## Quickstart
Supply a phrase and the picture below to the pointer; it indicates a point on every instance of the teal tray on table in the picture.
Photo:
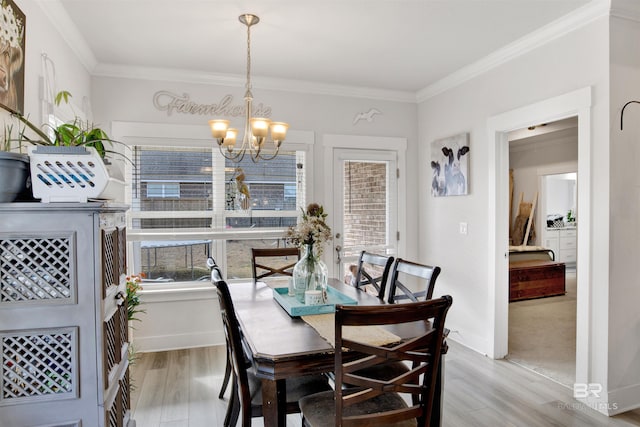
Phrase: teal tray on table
(296, 308)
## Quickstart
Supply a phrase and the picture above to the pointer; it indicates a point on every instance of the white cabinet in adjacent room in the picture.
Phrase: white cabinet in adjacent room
(563, 243)
(568, 248)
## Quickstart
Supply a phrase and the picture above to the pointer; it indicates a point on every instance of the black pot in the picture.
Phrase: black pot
(14, 177)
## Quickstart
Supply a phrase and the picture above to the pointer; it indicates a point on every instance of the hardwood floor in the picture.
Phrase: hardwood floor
(180, 389)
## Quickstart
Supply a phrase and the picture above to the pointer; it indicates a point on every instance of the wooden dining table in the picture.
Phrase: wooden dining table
(284, 347)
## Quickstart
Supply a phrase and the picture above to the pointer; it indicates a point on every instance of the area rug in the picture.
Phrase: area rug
(542, 334)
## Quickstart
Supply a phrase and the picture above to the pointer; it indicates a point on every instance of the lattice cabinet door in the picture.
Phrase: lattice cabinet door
(114, 347)
(62, 273)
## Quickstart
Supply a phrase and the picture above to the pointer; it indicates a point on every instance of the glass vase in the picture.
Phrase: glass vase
(309, 274)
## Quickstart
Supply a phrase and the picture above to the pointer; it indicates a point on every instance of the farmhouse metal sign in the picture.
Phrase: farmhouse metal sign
(171, 102)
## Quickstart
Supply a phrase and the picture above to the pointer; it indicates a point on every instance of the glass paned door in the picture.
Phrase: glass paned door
(365, 206)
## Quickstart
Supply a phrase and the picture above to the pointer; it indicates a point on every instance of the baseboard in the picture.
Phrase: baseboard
(472, 342)
(623, 399)
(178, 341)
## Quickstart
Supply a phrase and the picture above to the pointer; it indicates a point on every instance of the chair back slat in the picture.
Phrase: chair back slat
(266, 262)
(422, 353)
(373, 270)
(407, 270)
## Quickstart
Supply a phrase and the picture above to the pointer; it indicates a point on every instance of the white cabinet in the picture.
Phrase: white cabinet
(552, 241)
(563, 243)
(63, 322)
(568, 247)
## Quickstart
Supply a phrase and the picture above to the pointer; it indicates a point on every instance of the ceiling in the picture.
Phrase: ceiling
(538, 136)
(393, 45)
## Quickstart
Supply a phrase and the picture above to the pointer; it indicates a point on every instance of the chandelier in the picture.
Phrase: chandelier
(255, 128)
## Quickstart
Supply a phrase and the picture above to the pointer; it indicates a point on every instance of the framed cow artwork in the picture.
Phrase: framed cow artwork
(12, 45)
(450, 166)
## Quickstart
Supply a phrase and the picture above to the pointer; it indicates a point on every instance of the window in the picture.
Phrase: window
(289, 192)
(163, 189)
(184, 206)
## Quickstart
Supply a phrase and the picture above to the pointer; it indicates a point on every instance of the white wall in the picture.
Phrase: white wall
(527, 161)
(131, 100)
(173, 320)
(624, 189)
(42, 37)
(570, 62)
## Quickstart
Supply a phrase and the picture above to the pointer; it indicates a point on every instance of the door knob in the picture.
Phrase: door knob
(120, 298)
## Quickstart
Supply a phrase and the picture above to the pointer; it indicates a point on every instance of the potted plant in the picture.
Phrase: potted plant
(14, 168)
(310, 272)
(74, 134)
(55, 175)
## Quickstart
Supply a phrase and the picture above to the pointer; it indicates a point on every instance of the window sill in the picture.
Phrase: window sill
(177, 291)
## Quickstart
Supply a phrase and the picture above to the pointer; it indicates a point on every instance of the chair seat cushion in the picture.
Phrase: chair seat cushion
(319, 409)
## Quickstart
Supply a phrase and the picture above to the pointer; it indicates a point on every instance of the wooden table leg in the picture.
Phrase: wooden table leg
(274, 399)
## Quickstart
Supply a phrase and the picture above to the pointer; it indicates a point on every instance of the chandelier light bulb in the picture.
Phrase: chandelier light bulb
(230, 138)
(278, 132)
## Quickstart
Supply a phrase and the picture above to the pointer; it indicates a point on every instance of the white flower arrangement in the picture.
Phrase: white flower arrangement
(12, 28)
(312, 230)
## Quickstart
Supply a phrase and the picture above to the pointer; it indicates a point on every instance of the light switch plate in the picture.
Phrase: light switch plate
(463, 228)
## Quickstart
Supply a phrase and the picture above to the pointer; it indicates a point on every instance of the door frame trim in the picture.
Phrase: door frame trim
(331, 142)
(576, 103)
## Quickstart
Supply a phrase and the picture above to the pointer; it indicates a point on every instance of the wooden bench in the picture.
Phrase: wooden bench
(535, 279)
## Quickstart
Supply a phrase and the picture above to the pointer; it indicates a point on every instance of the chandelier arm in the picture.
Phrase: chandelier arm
(236, 158)
(263, 157)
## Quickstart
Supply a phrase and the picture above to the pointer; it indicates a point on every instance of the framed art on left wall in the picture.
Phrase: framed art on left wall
(12, 53)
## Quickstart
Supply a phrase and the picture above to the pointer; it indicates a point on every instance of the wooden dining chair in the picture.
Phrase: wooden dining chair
(246, 394)
(404, 271)
(211, 263)
(373, 271)
(362, 400)
(261, 268)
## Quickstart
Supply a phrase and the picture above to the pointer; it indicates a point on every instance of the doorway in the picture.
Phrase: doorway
(369, 152)
(365, 201)
(543, 160)
(577, 103)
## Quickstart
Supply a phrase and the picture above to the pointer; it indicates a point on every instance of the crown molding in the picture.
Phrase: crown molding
(570, 22)
(237, 80)
(551, 31)
(60, 20)
(626, 9)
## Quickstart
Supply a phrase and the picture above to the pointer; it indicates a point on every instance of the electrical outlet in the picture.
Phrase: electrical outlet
(463, 228)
